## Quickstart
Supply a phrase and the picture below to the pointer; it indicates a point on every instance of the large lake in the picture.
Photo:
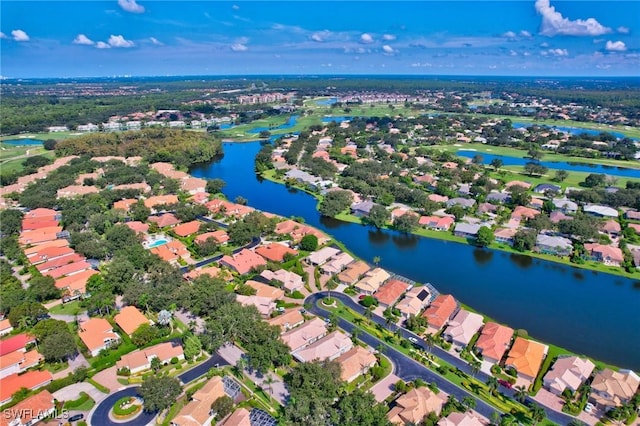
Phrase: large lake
(587, 312)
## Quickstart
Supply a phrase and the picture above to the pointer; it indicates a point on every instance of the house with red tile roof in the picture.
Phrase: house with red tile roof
(46, 254)
(438, 313)
(38, 236)
(355, 362)
(164, 220)
(200, 197)
(74, 286)
(521, 212)
(525, 357)
(29, 411)
(124, 204)
(415, 405)
(17, 343)
(68, 269)
(129, 319)
(97, 334)
(58, 262)
(33, 224)
(140, 360)
(172, 251)
(186, 229)
(32, 252)
(5, 327)
(18, 362)
(391, 291)
(41, 212)
(275, 252)
(243, 262)
(438, 223)
(505, 235)
(31, 380)
(220, 236)
(212, 271)
(494, 341)
(606, 254)
(142, 186)
(76, 191)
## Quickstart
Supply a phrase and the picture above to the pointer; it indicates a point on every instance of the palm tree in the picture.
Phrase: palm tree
(354, 334)
(429, 340)
(241, 364)
(367, 314)
(537, 413)
(469, 402)
(331, 285)
(475, 367)
(509, 420)
(269, 381)
(492, 384)
(520, 394)
(376, 260)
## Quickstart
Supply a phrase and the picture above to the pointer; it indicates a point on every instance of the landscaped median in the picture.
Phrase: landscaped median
(126, 407)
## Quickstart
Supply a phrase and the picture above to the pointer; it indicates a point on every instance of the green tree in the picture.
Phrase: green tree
(359, 408)
(524, 239)
(43, 288)
(561, 175)
(406, 223)
(536, 413)
(595, 180)
(520, 393)
(469, 402)
(139, 211)
(28, 310)
(533, 168)
(222, 407)
(215, 186)
(160, 392)
(496, 163)
(10, 222)
(309, 242)
(144, 334)
(485, 237)
(378, 216)
(58, 346)
(335, 202)
(492, 384)
(192, 347)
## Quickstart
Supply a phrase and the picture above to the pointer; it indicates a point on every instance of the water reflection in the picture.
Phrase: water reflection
(331, 223)
(378, 237)
(405, 241)
(521, 260)
(578, 275)
(482, 256)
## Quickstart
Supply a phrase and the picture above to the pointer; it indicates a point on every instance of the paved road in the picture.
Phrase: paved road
(409, 369)
(100, 414)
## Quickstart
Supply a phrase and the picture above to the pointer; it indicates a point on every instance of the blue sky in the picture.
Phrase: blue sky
(142, 38)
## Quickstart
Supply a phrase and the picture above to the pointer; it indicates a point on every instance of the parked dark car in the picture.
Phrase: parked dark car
(505, 383)
(76, 417)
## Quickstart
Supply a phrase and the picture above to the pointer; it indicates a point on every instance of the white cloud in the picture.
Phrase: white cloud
(83, 39)
(366, 38)
(3, 35)
(235, 7)
(388, 37)
(525, 33)
(131, 6)
(553, 23)
(388, 49)
(558, 52)
(623, 30)
(320, 36)
(19, 35)
(509, 34)
(156, 41)
(615, 46)
(102, 45)
(239, 47)
(513, 53)
(119, 41)
(544, 44)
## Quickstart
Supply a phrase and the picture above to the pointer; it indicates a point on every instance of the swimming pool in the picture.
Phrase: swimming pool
(157, 243)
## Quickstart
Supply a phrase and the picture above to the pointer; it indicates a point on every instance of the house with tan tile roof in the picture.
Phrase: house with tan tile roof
(76, 191)
(526, 357)
(494, 341)
(164, 220)
(243, 262)
(305, 334)
(355, 362)
(461, 419)
(97, 334)
(29, 411)
(193, 185)
(606, 254)
(275, 252)
(414, 301)
(212, 271)
(290, 280)
(240, 417)
(31, 380)
(328, 348)
(337, 264)
(158, 200)
(322, 256)
(140, 360)
(220, 236)
(611, 389)
(390, 292)
(264, 305)
(129, 319)
(463, 327)
(40, 213)
(439, 311)
(372, 281)
(525, 185)
(353, 272)
(138, 227)
(198, 411)
(186, 229)
(415, 405)
(5, 327)
(288, 320)
(124, 204)
(520, 213)
(265, 290)
(568, 372)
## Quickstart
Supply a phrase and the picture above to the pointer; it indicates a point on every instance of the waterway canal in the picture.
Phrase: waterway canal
(588, 312)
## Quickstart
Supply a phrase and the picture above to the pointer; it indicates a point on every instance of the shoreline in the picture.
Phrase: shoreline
(438, 235)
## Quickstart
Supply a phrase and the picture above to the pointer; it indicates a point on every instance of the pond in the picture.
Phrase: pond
(20, 142)
(570, 130)
(287, 125)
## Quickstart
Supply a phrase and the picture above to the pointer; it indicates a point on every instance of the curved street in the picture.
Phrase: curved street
(99, 416)
(409, 369)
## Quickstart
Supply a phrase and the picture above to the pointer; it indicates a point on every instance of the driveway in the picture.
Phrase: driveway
(108, 378)
(72, 392)
(385, 387)
(186, 317)
(231, 353)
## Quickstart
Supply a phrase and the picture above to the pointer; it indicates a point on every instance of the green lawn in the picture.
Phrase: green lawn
(69, 308)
